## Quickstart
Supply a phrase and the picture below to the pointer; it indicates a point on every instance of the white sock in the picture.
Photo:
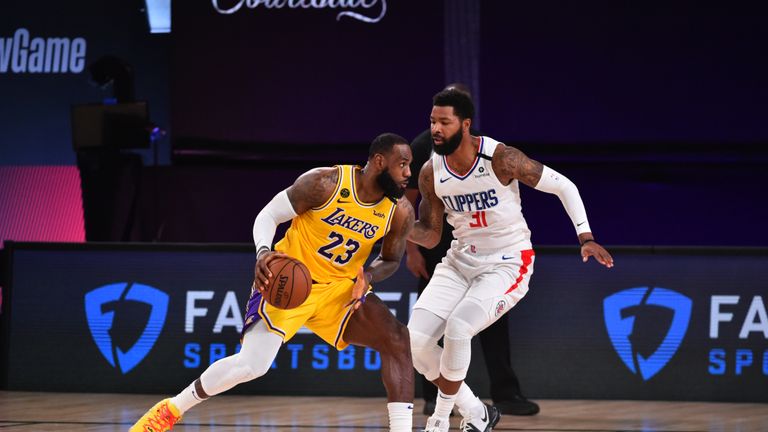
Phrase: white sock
(444, 404)
(467, 402)
(186, 399)
(400, 416)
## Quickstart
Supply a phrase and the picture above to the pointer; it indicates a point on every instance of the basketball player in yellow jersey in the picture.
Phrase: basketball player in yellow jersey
(337, 215)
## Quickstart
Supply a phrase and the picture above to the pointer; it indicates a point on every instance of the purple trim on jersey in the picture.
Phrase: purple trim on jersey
(255, 304)
(341, 327)
(474, 165)
(251, 311)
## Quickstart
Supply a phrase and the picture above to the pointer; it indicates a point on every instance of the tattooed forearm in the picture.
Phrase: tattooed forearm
(424, 233)
(428, 229)
(393, 246)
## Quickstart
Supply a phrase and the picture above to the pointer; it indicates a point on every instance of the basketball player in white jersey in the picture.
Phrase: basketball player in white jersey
(475, 180)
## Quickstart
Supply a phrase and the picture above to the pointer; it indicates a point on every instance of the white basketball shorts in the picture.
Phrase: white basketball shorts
(496, 281)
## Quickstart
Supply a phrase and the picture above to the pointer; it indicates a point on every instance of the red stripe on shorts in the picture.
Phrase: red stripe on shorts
(527, 256)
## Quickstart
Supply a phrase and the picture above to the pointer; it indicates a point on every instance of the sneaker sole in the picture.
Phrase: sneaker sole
(495, 417)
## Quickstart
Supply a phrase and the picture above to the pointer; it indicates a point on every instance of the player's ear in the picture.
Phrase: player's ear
(380, 161)
(467, 124)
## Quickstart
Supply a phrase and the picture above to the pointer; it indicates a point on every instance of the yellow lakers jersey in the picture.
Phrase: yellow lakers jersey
(335, 239)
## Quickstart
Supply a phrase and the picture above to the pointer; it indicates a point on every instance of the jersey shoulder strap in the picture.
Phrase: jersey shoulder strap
(487, 147)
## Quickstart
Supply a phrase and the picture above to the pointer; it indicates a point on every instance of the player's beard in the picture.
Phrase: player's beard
(449, 145)
(389, 186)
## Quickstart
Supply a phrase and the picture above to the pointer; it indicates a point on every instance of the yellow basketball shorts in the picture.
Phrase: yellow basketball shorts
(326, 313)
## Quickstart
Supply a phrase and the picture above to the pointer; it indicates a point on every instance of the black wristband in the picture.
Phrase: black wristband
(262, 249)
(587, 241)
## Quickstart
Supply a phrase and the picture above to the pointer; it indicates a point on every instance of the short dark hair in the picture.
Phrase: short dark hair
(459, 100)
(383, 143)
(460, 87)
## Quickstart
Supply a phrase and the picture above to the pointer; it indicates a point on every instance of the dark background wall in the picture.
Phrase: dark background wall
(656, 111)
(627, 73)
(304, 76)
(35, 107)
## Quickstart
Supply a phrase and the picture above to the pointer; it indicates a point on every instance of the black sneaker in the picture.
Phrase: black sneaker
(518, 405)
(483, 423)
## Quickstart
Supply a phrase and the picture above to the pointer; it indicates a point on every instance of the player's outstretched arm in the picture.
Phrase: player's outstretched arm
(429, 228)
(311, 189)
(510, 163)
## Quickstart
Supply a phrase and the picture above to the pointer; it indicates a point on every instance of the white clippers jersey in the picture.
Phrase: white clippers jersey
(485, 214)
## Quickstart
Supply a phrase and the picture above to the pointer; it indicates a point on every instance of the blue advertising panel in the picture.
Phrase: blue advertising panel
(664, 323)
(671, 324)
(152, 318)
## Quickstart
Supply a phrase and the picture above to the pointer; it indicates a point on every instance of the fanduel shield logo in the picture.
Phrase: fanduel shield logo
(101, 320)
(621, 310)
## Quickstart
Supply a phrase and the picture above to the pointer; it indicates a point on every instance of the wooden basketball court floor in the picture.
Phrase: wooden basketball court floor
(27, 411)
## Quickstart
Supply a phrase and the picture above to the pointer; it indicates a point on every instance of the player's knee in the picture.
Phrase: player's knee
(457, 328)
(418, 339)
(426, 355)
(454, 362)
(457, 350)
(251, 368)
(395, 342)
(401, 340)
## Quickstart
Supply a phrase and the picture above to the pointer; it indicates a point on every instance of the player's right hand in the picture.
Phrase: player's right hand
(416, 263)
(593, 249)
(359, 290)
(261, 270)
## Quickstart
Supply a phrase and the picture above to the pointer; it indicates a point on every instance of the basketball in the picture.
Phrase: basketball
(290, 283)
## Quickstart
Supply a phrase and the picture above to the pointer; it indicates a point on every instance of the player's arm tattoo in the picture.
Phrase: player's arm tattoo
(510, 163)
(393, 244)
(429, 228)
(313, 188)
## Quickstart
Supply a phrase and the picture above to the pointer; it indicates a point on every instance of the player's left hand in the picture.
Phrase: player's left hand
(359, 289)
(593, 249)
